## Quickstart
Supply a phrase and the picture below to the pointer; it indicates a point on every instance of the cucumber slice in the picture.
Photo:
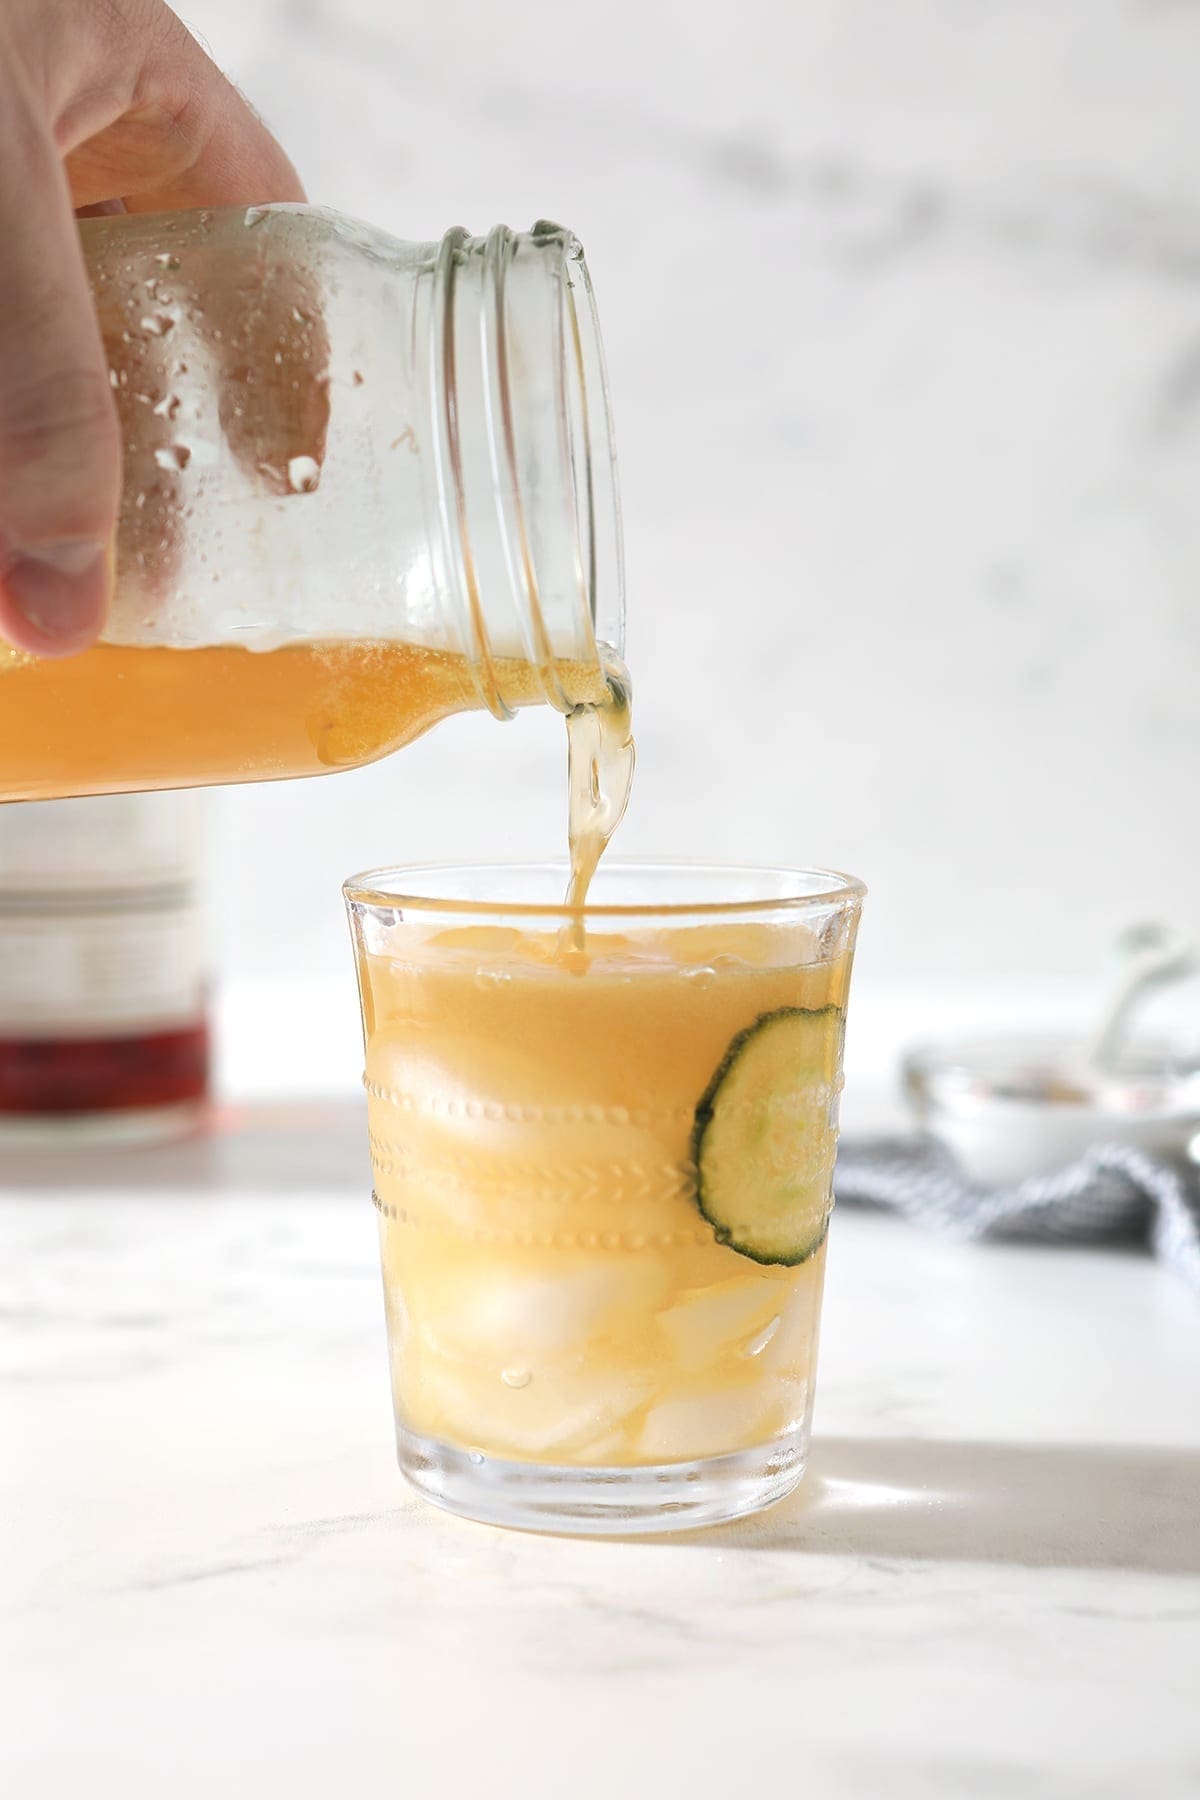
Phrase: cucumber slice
(764, 1142)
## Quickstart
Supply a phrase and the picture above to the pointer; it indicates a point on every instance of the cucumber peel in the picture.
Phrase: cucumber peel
(765, 1139)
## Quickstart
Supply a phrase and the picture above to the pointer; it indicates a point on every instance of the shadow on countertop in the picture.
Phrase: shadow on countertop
(1079, 1506)
(293, 1147)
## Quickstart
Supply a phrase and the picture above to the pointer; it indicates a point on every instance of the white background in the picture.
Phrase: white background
(902, 308)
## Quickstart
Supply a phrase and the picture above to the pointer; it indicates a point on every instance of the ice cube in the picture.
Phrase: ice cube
(552, 1416)
(790, 1350)
(718, 1322)
(517, 1315)
(710, 1422)
(610, 1450)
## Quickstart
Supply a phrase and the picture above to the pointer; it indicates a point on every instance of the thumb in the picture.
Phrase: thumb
(60, 453)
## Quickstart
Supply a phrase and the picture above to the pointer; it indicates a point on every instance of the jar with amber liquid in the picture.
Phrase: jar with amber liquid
(367, 484)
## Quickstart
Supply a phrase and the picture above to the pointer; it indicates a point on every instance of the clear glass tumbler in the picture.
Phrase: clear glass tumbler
(603, 1174)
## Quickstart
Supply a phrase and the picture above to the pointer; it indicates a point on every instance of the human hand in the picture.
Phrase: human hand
(103, 107)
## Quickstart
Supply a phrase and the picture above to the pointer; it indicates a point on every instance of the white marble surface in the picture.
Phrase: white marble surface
(901, 301)
(211, 1580)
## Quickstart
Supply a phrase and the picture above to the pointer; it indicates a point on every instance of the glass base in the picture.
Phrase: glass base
(603, 1502)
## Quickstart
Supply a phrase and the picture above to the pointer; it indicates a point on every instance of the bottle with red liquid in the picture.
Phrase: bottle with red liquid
(103, 990)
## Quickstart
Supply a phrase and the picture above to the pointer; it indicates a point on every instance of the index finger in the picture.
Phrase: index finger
(164, 130)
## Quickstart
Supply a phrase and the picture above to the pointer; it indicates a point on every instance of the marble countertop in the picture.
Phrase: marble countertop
(212, 1580)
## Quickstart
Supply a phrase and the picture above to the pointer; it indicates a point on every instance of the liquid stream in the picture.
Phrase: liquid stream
(600, 764)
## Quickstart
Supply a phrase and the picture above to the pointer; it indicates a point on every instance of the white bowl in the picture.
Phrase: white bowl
(1012, 1107)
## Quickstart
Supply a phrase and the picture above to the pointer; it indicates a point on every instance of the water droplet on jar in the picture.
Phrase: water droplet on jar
(490, 979)
(476, 1457)
(173, 456)
(702, 977)
(168, 407)
(156, 324)
(516, 1378)
(304, 474)
(166, 260)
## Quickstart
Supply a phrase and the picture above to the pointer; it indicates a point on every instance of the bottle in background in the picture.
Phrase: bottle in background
(103, 980)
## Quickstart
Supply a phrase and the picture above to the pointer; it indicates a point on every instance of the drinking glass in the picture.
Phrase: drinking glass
(603, 1146)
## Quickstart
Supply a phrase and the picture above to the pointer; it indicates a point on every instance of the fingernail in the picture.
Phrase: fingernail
(61, 588)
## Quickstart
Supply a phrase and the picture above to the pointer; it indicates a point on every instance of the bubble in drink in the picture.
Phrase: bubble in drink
(702, 977)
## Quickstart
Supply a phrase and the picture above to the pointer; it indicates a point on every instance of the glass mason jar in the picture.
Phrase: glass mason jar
(367, 484)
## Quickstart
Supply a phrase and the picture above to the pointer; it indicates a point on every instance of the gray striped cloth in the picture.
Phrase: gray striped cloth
(1114, 1193)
